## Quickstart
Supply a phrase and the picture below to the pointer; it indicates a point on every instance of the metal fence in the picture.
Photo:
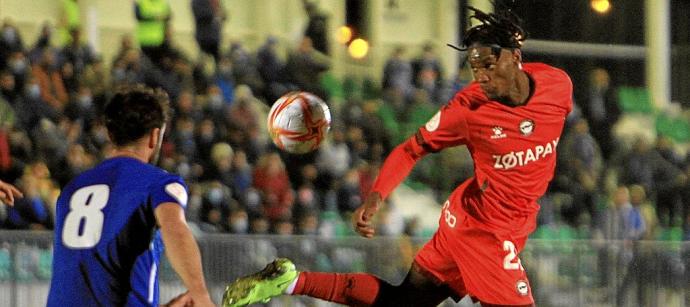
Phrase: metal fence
(562, 273)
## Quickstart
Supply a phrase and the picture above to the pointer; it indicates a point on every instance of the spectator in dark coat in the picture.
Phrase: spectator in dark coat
(271, 69)
(317, 27)
(305, 66)
(208, 19)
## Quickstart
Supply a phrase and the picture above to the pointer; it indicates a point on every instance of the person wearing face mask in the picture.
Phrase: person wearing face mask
(238, 222)
(53, 91)
(81, 107)
(10, 42)
(34, 108)
(224, 78)
(271, 68)
(18, 65)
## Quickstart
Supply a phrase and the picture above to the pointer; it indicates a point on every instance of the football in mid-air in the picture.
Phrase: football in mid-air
(298, 122)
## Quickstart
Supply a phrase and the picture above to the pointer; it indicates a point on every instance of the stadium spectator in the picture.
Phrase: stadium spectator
(52, 87)
(639, 256)
(660, 179)
(96, 79)
(43, 42)
(81, 107)
(245, 120)
(241, 174)
(259, 225)
(9, 90)
(582, 164)
(333, 157)
(308, 223)
(317, 26)
(283, 227)
(397, 73)
(349, 194)
(271, 179)
(271, 69)
(601, 109)
(219, 166)
(224, 79)
(610, 226)
(209, 16)
(665, 147)
(304, 68)
(77, 53)
(152, 17)
(244, 69)
(126, 44)
(217, 203)
(69, 21)
(427, 72)
(10, 42)
(238, 221)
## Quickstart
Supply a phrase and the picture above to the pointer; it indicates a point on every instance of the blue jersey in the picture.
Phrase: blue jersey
(107, 245)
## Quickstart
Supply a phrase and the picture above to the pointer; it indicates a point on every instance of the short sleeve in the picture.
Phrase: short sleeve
(170, 189)
(447, 128)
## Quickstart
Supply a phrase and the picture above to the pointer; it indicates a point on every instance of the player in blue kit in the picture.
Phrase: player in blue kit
(113, 220)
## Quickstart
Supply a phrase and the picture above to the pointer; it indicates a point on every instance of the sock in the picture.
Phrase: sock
(291, 288)
(354, 289)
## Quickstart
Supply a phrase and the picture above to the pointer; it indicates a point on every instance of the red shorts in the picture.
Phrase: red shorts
(476, 262)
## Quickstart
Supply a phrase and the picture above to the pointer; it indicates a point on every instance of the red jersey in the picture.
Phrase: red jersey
(513, 148)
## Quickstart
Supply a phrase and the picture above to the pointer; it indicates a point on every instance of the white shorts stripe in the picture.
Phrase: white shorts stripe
(152, 282)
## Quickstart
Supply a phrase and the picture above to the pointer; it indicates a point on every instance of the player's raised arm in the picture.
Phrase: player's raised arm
(8, 193)
(182, 251)
(394, 170)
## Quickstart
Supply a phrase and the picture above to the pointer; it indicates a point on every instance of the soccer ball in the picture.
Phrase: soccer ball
(298, 122)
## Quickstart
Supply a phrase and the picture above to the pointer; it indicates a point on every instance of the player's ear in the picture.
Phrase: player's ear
(153, 137)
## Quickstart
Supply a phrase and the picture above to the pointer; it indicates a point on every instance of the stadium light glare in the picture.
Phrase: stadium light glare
(358, 48)
(601, 6)
(344, 35)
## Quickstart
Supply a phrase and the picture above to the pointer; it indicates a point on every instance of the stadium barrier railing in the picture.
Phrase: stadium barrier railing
(561, 273)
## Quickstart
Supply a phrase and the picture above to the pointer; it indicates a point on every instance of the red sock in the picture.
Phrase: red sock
(355, 289)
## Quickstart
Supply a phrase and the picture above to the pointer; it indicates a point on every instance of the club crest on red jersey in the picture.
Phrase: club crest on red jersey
(526, 126)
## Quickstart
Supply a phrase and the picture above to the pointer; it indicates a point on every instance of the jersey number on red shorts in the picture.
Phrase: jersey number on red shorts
(84, 221)
(511, 261)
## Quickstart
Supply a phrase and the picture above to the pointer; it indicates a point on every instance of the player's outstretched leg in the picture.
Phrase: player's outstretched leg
(260, 287)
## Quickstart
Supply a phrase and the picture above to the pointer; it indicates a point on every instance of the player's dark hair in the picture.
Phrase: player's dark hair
(501, 28)
(134, 111)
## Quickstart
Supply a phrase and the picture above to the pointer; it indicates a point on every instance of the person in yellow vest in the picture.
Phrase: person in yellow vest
(70, 20)
(152, 21)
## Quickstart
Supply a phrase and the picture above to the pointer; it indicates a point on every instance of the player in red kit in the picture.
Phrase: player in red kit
(510, 118)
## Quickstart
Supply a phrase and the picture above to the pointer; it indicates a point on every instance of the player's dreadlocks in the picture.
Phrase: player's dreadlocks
(497, 30)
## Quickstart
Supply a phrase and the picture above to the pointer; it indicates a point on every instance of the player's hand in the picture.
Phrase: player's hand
(182, 300)
(201, 300)
(363, 216)
(8, 193)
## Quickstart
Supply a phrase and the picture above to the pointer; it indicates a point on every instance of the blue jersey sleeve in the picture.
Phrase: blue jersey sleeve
(169, 188)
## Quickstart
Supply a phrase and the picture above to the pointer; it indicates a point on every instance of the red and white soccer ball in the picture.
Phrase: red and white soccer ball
(298, 122)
